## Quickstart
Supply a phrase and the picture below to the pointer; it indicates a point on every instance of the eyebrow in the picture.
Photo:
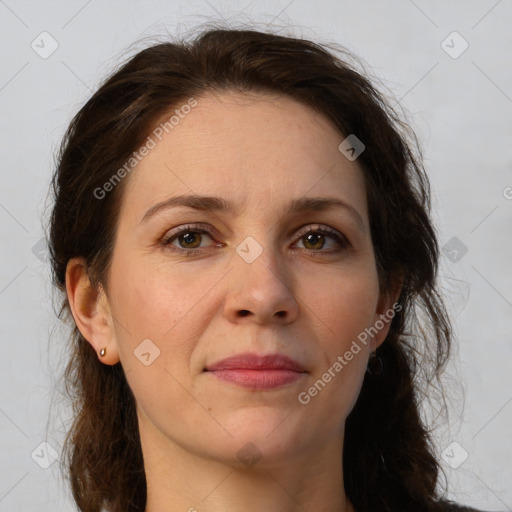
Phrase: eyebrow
(218, 204)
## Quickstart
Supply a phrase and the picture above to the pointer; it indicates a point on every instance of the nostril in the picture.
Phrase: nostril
(244, 312)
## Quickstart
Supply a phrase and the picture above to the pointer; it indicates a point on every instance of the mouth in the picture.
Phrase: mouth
(258, 372)
(258, 379)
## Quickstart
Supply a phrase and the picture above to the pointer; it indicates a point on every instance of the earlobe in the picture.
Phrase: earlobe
(91, 312)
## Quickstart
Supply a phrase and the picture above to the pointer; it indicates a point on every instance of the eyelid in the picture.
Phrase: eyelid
(316, 226)
(342, 241)
(183, 227)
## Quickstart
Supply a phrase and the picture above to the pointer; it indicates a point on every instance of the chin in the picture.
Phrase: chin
(270, 434)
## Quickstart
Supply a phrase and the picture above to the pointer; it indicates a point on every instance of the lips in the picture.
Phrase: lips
(257, 372)
(250, 361)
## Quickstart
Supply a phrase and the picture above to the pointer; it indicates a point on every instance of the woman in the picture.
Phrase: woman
(242, 239)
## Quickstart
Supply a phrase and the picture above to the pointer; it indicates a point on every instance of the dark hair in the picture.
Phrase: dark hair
(389, 462)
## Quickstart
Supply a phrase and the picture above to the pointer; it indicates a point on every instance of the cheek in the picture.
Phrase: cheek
(341, 311)
(345, 302)
(152, 297)
(340, 317)
(163, 303)
(160, 321)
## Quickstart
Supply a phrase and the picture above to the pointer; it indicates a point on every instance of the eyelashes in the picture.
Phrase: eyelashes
(186, 231)
(312, 235)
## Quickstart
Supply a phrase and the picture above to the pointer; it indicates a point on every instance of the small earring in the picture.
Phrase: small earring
(375, 366)
(103, 351)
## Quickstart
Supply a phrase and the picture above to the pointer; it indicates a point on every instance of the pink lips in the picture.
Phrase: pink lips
(258, 372)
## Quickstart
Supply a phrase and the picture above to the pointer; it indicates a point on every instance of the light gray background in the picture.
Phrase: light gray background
(460, 107)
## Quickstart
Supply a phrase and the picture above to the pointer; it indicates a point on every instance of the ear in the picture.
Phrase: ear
(91, 311)
(387, 307)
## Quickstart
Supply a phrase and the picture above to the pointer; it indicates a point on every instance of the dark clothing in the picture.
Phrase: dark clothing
(439, 506)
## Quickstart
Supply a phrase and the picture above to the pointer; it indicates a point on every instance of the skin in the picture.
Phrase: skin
(303, 299)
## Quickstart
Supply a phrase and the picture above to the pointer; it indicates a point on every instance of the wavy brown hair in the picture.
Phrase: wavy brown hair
(389, 460)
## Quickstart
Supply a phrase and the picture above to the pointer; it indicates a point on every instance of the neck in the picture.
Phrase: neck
(179, 480)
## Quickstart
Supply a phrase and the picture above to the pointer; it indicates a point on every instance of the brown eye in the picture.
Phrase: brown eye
(317, 240)
(186, 240)
(189, 240)
(314, 240)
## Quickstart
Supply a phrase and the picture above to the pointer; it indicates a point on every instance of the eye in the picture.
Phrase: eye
(188, 239)
(314, 240)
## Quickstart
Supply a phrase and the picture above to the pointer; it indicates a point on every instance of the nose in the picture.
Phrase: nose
(261, 290)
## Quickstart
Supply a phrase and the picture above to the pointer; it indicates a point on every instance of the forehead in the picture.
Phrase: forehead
(246, 146)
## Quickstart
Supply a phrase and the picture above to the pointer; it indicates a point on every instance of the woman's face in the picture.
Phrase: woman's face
(260, 277)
